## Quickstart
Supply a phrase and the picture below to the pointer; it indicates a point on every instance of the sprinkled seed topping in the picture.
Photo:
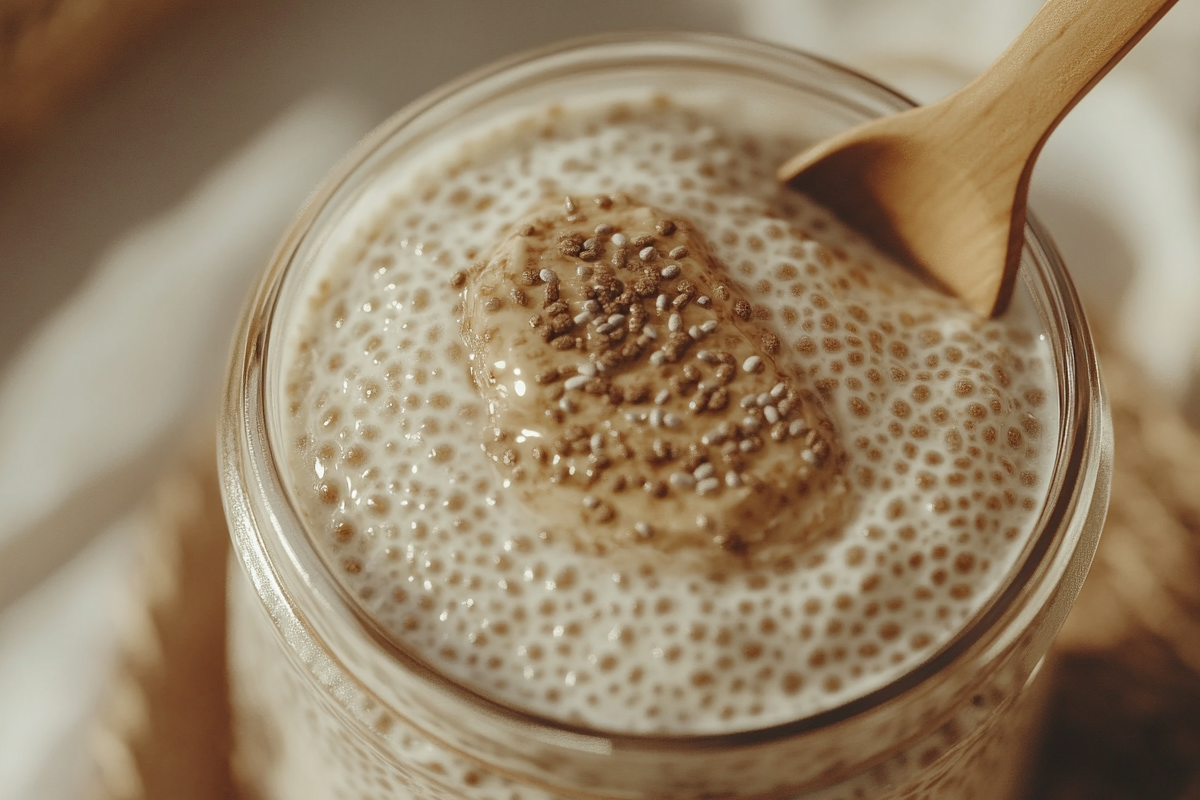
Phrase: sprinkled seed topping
(591, 392)
(682, 480)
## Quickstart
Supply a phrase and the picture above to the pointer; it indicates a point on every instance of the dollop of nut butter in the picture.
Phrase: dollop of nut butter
(635, 397)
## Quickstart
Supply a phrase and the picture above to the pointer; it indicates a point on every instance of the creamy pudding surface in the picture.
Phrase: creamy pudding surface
(593, 418)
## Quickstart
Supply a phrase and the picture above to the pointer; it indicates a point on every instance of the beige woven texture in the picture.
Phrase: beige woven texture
(165, 732)
(1126, 720)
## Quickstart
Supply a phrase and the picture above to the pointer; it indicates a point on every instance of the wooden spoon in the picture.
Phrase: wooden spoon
(943, 187)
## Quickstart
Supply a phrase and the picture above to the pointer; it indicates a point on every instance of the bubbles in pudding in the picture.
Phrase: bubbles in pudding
(633, 396)
(596, 420)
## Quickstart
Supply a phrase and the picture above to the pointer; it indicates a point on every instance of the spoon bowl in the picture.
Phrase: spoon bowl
(943, 187)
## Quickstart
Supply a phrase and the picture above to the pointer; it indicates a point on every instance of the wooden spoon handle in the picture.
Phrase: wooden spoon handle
(1063, 52)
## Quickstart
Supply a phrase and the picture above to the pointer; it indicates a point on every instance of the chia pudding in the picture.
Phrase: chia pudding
(595, 419)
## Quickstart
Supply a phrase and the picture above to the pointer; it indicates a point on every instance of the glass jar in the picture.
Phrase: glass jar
(326, 706)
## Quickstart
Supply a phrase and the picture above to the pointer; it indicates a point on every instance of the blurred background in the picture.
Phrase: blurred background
(151, 152)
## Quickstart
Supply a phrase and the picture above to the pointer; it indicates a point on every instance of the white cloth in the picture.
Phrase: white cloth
(137, 351)
(125, 363)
